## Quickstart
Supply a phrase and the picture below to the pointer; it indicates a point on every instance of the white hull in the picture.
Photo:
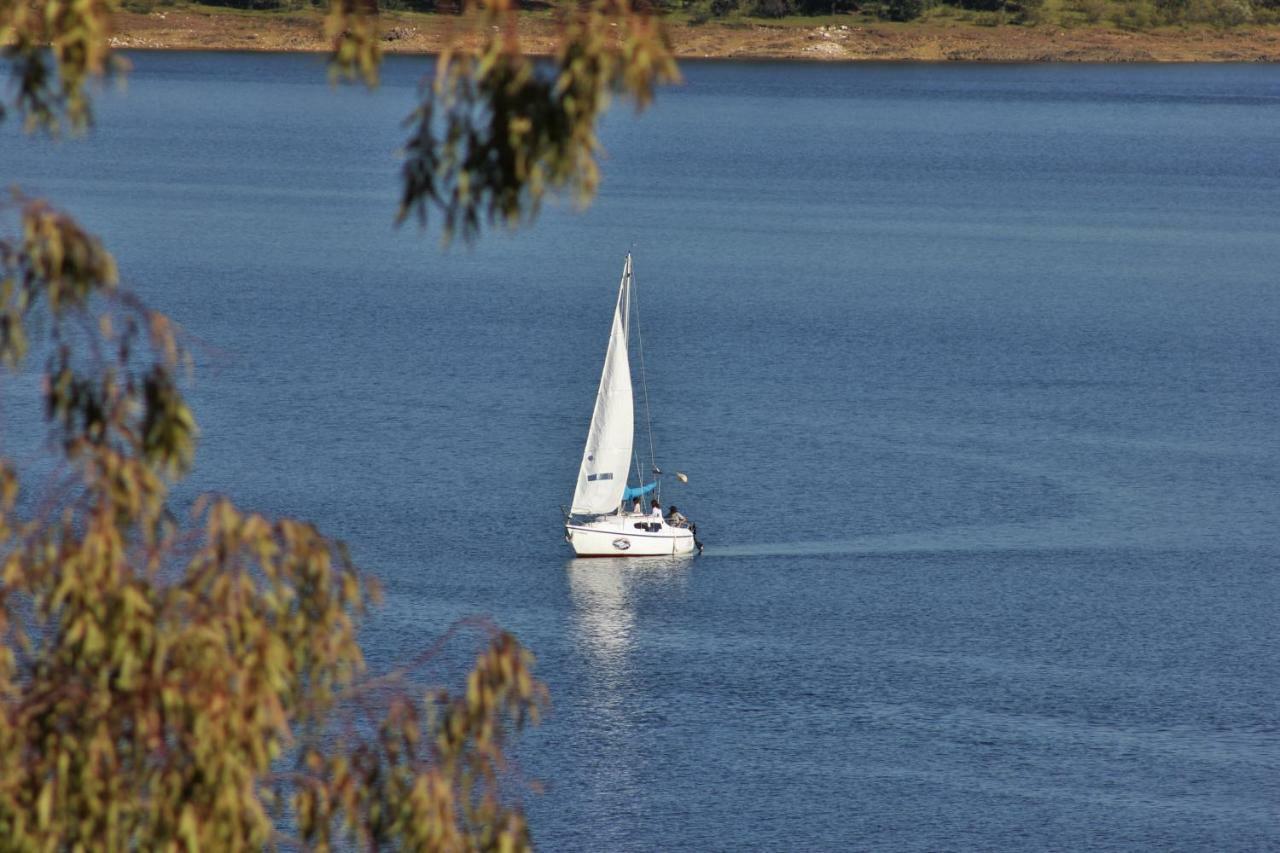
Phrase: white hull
(619, 536)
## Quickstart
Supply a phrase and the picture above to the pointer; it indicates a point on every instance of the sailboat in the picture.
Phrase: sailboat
(596, 523)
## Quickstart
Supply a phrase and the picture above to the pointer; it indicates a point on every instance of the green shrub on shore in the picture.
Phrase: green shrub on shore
(1136, 15)
(1221, 14)
(771, 8)
(1089, 11)
(903, 10)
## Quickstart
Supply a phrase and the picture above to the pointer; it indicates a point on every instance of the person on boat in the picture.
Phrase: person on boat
(655, 508)
(637, 508)
(675, 518)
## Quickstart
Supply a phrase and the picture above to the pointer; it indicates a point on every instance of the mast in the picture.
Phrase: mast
(648, 414)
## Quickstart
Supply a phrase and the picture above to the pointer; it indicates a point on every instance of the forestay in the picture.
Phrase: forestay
(602, 477)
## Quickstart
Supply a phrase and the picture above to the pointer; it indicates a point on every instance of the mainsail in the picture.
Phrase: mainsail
(602, 476)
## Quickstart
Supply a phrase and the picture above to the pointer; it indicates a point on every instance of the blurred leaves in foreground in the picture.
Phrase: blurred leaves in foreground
(172, 683)
(495, 128)
(56, 48)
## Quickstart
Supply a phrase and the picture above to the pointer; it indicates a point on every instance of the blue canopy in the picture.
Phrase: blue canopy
(637, 491)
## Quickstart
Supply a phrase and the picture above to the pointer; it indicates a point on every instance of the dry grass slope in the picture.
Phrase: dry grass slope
(833, 39)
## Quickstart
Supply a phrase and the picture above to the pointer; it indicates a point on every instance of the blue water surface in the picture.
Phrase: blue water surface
(974, 371)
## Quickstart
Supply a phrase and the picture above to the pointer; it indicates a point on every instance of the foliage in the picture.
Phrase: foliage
(496, 128)
(902, 10)
(701, 11)
(699, 14)
(1006, 11)
(1266, 12)
(1219, 13)
(1171, 11)
(1026, 11)
(771, 8)
(1125, 14)
(451, 7)
(169, 683)
(56, 47)
(165, 684)
(1090, 11)
(1136, 15)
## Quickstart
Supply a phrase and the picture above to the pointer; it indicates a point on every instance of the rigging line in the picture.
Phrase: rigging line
(644, 383)
(635, 456)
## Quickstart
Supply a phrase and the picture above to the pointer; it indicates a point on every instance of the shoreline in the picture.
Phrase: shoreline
(209, 29)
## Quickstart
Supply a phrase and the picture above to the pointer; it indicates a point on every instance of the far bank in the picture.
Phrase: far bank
(833, 39)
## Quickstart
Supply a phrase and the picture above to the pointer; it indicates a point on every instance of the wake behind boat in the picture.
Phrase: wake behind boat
(603, 521)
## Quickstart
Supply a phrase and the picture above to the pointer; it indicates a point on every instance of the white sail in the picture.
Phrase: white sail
(602, 476)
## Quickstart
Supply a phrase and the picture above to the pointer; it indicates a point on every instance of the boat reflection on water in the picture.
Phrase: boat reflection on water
(620, 609)
(606, 592)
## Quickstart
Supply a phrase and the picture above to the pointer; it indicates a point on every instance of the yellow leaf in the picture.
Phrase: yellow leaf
(44, 805)
(188, 829)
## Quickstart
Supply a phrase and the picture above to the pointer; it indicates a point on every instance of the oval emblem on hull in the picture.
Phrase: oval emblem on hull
(621, 544)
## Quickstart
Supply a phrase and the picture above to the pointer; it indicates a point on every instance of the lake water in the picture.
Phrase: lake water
(974, 371)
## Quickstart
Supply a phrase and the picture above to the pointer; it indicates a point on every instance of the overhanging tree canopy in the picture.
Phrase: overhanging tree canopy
(170, 683)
